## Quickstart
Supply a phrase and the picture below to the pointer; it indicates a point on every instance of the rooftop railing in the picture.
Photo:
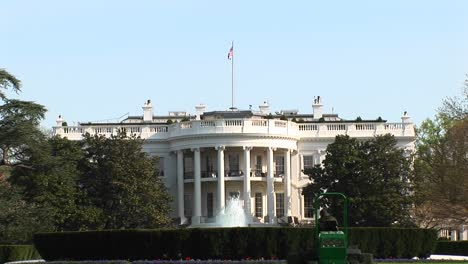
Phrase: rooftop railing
(242, 126)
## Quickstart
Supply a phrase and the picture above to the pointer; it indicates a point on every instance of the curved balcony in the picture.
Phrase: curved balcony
(243, 126)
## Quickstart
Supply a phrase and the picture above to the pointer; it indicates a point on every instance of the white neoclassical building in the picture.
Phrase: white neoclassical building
(256, 156)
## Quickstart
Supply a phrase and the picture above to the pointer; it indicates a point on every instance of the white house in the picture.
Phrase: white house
(258, 156)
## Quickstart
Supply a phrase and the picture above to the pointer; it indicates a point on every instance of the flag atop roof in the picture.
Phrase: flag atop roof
(231, 53)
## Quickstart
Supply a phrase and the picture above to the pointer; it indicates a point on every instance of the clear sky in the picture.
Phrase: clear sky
(92, 60)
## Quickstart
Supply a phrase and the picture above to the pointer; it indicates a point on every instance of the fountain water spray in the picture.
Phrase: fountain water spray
(233, 214)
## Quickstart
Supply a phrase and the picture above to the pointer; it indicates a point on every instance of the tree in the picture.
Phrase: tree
(19, 130)
(455, 108)
(49, 178)
(7, 80)
(121, 181)
(19, 220)
(373, 174)
(441, 165)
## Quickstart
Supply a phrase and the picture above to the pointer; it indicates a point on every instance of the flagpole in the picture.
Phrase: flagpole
(232, 77)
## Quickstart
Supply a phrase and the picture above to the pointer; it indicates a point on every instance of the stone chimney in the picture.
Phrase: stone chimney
(59, 121)
(200, 109)
(317, 107)
(148, 111)
(264, 108)
(405, 118)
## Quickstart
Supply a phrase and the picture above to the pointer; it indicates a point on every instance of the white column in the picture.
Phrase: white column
(197, 187)
(270, 187)
(247, 200)
(287, 183)
(221, 191)
(180, 185)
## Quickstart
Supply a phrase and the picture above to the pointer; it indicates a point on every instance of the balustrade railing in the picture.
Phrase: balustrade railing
(209, 174)
(234, 122)
(262, 126)
(308, 127)
(233, 173)
(262, 123)
(209, 123)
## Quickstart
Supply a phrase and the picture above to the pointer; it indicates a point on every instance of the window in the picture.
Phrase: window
(210, 168)
(188, 205)
(258, 166)
(279, 166)
(233, 165)
(308, 206)
(209, 204)
(308, 162)
(258, 205)
(160, 166)
(279, 204)
(188, 166)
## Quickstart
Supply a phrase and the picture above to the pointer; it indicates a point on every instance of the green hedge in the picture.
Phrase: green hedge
(457, 248)
(212, 243)
(18, 252)
(224, 243)
(394, 242)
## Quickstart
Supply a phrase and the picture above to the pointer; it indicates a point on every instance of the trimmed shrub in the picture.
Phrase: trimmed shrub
(225, 243)
(18, 252)
(393, 242)
(457, 248)
(194, 243)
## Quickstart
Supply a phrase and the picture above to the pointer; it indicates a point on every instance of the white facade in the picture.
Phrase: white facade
(253, 155)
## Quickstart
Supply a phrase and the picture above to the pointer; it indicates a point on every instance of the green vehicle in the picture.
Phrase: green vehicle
(332, 245)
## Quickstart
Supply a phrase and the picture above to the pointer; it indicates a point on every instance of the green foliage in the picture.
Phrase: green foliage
(455, 108)
(19, 130)
(7, 80)
(458, 248)
(50, 180)
(269, 116)
(216, 243)
(121, 181)
(284, 118)
(19, 219)
(185, 119)
(10, 253)
(441, 181)
(225, 243)
(169, 121)
(358, 119)
(373, 174)
(394, 242)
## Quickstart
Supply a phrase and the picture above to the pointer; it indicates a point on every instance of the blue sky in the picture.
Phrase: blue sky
(96, 60)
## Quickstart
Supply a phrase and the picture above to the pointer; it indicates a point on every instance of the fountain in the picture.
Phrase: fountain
(233, 214)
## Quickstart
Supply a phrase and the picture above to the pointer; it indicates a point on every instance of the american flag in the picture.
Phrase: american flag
(231, 53)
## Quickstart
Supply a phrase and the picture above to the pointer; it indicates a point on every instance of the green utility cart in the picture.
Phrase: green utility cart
(332, 245)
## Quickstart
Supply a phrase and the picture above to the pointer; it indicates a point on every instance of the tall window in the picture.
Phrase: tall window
(234, 164)
(308, 206)
(209, 204)
(188, 202)
(210, 167)
(308, 162)
(188, 167)
(279, 204)
(258, 166)
(258, 205)
(160, 166)
(279, 166)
